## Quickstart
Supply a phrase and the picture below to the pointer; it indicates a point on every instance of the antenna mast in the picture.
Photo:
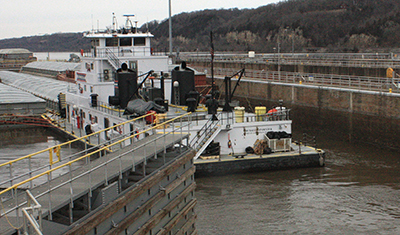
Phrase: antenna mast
(114, 23)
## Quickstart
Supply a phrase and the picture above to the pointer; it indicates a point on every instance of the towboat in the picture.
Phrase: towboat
(121, 79)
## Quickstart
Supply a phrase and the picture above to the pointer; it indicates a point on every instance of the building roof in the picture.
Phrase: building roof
(14, 51)
(43, 87)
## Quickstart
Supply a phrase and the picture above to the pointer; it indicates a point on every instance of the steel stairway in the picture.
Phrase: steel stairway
(113, 59)
(205, 136)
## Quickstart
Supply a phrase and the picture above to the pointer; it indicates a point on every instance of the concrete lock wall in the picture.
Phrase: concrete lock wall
(370, 103)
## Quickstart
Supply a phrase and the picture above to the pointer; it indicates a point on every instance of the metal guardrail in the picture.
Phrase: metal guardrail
(54, 152)
(104, 107)
(177, 129)
(30, 213)
(316, 55)
(369, 60)
(332, 80)
(101, 52)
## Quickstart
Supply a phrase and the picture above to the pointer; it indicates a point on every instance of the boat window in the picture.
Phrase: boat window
(95, 43)
(111, 42)
(140, 41)
(106, 122)
(125, 42)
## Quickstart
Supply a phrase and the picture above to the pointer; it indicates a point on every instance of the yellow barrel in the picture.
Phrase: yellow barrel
(239, 114)
(260, 112)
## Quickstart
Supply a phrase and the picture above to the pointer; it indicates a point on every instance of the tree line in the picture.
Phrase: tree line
(287, 26)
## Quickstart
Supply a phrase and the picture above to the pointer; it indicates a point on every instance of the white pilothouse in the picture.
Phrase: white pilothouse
(110, 88)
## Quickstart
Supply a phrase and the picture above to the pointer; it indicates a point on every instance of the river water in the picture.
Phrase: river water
(357, 192)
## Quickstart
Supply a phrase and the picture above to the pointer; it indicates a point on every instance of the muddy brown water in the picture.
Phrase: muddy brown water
(357, 192)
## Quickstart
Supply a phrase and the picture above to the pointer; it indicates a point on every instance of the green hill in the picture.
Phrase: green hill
(299, 25)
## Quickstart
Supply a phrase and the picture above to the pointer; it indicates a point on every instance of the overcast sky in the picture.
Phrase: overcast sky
(37, 17)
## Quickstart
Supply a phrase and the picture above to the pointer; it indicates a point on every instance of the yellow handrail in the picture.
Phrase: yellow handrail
(69, 142)
(184, 108)
(15, 186)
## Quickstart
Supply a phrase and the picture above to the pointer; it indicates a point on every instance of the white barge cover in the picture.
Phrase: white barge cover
(15, 101)
(46, 88)
(51, 66)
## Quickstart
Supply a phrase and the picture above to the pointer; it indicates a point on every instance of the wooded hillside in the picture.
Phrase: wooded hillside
(299, 25)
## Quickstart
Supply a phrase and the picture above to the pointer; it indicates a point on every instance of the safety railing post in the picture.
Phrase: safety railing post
(120, 168)
(155, 148)
(90, 186)
(11, 176)
(71, 191)
(16, 204)
(51, 172)
(69, 148)
(86, 146)
(105, 174)
(25, 225)
(30, 172)
(180, 138)
(49, 190)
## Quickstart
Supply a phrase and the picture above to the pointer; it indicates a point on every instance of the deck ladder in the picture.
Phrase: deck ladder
(113, 59)
(205, 136)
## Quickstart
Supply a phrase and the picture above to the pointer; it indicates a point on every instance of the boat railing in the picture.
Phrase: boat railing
(104, 107)
(242, 117)
(120, 52)
(56, 155)
(78, 177)
(278, 115)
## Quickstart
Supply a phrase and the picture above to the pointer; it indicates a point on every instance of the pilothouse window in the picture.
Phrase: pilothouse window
(140, 41)
(111, 42)
(125, 42)
(95, 43)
